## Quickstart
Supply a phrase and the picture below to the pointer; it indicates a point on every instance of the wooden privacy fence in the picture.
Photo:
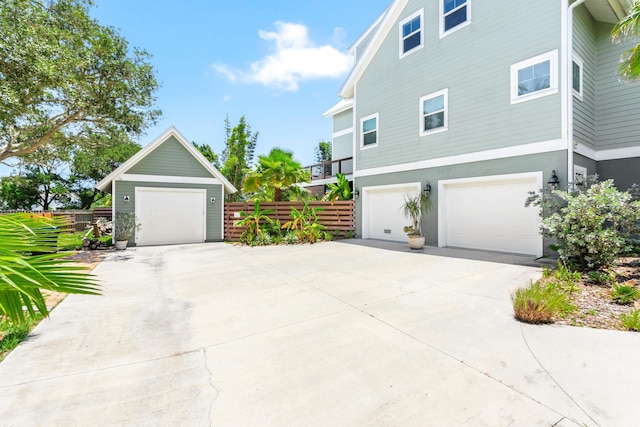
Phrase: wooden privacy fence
(338, 218)
(76, 220)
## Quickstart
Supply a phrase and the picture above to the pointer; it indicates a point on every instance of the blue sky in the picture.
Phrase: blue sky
(279, 63)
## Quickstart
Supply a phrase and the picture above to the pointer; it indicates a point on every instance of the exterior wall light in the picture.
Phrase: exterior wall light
(554, 182)
(427, 189)
(213, 200)
(126, 199)
(356, 194)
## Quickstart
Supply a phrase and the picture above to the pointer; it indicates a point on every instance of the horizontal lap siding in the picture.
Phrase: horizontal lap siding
(172, 159)
(342, 147)
(338, 218)
(585, 47)
(474, 64)
(343, 121)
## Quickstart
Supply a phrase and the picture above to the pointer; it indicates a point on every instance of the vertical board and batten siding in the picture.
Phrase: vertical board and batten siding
(617, 102)
(474, 64)
(584, 44)
(171, 159)
(338, 217)
(214, 212)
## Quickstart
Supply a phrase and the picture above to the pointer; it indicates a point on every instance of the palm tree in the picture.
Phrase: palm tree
(29, 264)
(275, 172)
(629, 28)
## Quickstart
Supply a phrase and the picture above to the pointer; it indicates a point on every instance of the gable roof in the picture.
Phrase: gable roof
(105, 183)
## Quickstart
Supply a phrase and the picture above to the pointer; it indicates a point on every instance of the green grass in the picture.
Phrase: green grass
(624, 294)
(12, 334)
(631, 321)
(541, 302)
(73, 241)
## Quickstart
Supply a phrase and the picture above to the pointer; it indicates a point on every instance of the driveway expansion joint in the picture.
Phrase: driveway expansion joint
(215, 389)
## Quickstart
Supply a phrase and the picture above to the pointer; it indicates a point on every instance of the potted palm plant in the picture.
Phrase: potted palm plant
(125, 226)
(414, 208)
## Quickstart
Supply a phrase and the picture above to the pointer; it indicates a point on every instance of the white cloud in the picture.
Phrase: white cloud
(295, 59)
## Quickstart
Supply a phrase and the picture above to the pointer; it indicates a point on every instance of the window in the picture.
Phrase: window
(411, 34)
(579, 175)
(369, 131)
(578, 65)
(453, 14)
(535, 77)
(433, 113)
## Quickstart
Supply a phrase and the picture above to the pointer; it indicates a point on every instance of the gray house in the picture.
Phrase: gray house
(481, 102)
(177, 195)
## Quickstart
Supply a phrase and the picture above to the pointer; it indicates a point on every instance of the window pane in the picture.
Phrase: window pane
(449, 5)
(370, 138)
(433, 104)
(434, 121)
(542, 69)
(455, 18)
(411, 27)
(534, 78)
(411, 42)
(525, 74)
(576, 77)
(369, 125)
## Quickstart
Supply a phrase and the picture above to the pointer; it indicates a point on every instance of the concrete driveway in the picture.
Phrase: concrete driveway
(333, 334)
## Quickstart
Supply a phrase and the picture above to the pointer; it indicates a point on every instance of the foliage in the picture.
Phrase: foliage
(208, 154)
(125, 226)
(12, 334)
(73, 241)
(274, 173)
(305, 224)
(600, 277)
(340, 190)
(17, 192)
(237, 157)
(254, 223)
(629, 29)
(414, 208)
(65, 77)
(23, 275)
(322, 153)
(592, 226)
(540, 302)
(631, 321)
(624, 293)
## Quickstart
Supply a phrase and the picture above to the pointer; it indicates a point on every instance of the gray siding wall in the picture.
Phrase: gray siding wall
(342, 121)
(624, 172)
(214, 211)
(170, 158)
(474, 64)
(617, 103)
(584, 44)
(342, 147)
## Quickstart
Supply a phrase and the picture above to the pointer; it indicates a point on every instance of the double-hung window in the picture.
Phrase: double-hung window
(453, 15)
(535, 77)
(433, 112)
(369, 131)
(411, 33)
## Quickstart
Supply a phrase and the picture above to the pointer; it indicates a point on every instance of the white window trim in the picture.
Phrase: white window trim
(552, 57)
(364, 119)
(444, 128)
(580, 62)
(579, 170)
(444, 33)
(401, 39)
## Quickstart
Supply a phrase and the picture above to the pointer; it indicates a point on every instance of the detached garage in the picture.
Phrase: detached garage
(176, 194)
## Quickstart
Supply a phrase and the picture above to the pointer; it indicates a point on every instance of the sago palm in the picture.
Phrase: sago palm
(274, 173)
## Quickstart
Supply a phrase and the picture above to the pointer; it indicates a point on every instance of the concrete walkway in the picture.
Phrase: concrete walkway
(333, 334)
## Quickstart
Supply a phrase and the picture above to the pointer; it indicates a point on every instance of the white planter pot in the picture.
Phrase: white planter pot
(121, 244)
(416, 242)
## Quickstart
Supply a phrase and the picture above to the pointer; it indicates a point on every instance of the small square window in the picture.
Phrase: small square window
(433, 112)
(534, 77)
(369, 131)
(577, 75)
(411, 34)
(453, 13)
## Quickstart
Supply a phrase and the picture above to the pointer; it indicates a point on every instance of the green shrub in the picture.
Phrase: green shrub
(592, 226)
(540, 303)
(600, 277)
(624, 294)
(631, 321)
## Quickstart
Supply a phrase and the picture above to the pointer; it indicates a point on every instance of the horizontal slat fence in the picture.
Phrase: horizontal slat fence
(338, 218)
(76, 220)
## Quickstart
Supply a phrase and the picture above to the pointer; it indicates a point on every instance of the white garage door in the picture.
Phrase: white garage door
(170, 215)
(382, 213)
(490, 214)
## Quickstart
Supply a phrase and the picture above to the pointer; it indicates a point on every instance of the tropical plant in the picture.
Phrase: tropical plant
(24, 275)
(623, 293)
(540, 302)
(125, 226)
(304, 224)
(341, 190)
(237, 156)
(631, 321)
(414, 208)
(253, 223)
(628, 28)
(274, 173)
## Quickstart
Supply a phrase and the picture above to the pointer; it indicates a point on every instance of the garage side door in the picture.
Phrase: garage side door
(491, 215)
(170, 215)
(382, 214)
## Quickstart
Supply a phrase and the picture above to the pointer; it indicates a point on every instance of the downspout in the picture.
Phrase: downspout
(569, 90)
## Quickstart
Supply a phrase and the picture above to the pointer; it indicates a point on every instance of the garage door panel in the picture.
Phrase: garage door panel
(383, 208)
(170, 216)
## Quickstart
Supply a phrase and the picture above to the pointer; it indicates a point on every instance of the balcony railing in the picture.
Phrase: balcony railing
(330, 168)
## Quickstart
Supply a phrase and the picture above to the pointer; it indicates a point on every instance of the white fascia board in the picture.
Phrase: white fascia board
(388, 22)
(610, 154)
(479, 156)
(340, 107)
